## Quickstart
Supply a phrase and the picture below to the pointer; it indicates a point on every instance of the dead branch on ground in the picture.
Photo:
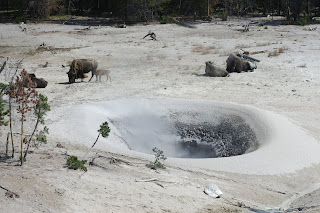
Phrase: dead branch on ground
(9, 192)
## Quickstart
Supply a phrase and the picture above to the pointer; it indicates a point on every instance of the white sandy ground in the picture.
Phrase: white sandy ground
(280, 99)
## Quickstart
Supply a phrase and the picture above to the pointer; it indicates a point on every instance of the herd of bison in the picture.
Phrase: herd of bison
(78, 68)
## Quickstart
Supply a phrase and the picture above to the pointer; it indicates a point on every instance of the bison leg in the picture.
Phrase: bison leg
(91, 75)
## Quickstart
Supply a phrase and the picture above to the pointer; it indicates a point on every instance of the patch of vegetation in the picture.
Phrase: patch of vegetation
(263, 44)
(242, 46)
(24, 160)
(60, 17)
(74, 163)
(304, 20)
(20, 19)
(277, 52)
(167, 20)
(203, 50)
(31, 52)
(3, 112)
(158, 157)
(303, 66)
(222, 16)
(23, 92)
(40, 111)
(104, 131)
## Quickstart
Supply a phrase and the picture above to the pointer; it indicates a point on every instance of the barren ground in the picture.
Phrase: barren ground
(171, 67)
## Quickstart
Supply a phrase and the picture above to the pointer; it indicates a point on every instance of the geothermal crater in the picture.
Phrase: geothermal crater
(192, 132)
(229, 138)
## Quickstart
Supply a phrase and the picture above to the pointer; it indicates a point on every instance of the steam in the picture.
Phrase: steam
(138, 125)
(141, 127)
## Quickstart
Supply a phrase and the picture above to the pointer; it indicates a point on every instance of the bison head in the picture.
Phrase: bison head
(248, 65)
(72, 76)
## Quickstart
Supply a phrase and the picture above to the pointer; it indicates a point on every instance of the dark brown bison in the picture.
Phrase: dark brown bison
(39, 82)
(80, 66)
(237, 64)
(213, 71)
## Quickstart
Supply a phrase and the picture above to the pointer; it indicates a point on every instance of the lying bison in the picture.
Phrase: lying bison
(39, 82)
(80, 66)
(237, 64)
(213, 71)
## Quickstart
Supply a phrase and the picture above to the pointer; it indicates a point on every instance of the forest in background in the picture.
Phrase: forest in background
(295, 11)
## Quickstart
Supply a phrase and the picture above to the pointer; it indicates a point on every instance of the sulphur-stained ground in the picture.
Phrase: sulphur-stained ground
(285, 82)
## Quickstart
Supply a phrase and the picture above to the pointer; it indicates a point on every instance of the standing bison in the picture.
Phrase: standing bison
(80, 66)
(237, 64)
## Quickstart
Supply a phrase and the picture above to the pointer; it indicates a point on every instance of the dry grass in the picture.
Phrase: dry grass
(257, 52)
(303, 66)
(281, 50)
(203, 50)
(31, 52)
(263, 44)
(242, 46)
(277, 52)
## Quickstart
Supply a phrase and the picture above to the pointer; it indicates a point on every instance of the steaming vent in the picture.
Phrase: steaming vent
(185, 132)
(228, 138)
(193, 133)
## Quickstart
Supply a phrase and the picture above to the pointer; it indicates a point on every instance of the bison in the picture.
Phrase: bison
(213, 71)
(80, 66)
(38, 82)
(237, 64)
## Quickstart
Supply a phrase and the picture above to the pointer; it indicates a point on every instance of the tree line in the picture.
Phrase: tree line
(149, 10)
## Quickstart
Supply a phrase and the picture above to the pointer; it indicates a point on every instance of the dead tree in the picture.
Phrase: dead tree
(152, 35)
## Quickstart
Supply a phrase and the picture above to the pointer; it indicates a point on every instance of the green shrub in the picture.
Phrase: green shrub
(74, 163)
(3, 112)
(158, 156)
(20, 19)
(305, 20)
(167, 20)
(222, 16)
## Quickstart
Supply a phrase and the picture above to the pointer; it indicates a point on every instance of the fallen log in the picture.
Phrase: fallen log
(10, 193)
(247, 57)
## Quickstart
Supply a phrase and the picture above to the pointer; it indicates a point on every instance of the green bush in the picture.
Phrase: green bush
(167, 20)
(305, 20)
(74, 163)
(222, 16)
(158, 156)
(3, 112)
(20, 19)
